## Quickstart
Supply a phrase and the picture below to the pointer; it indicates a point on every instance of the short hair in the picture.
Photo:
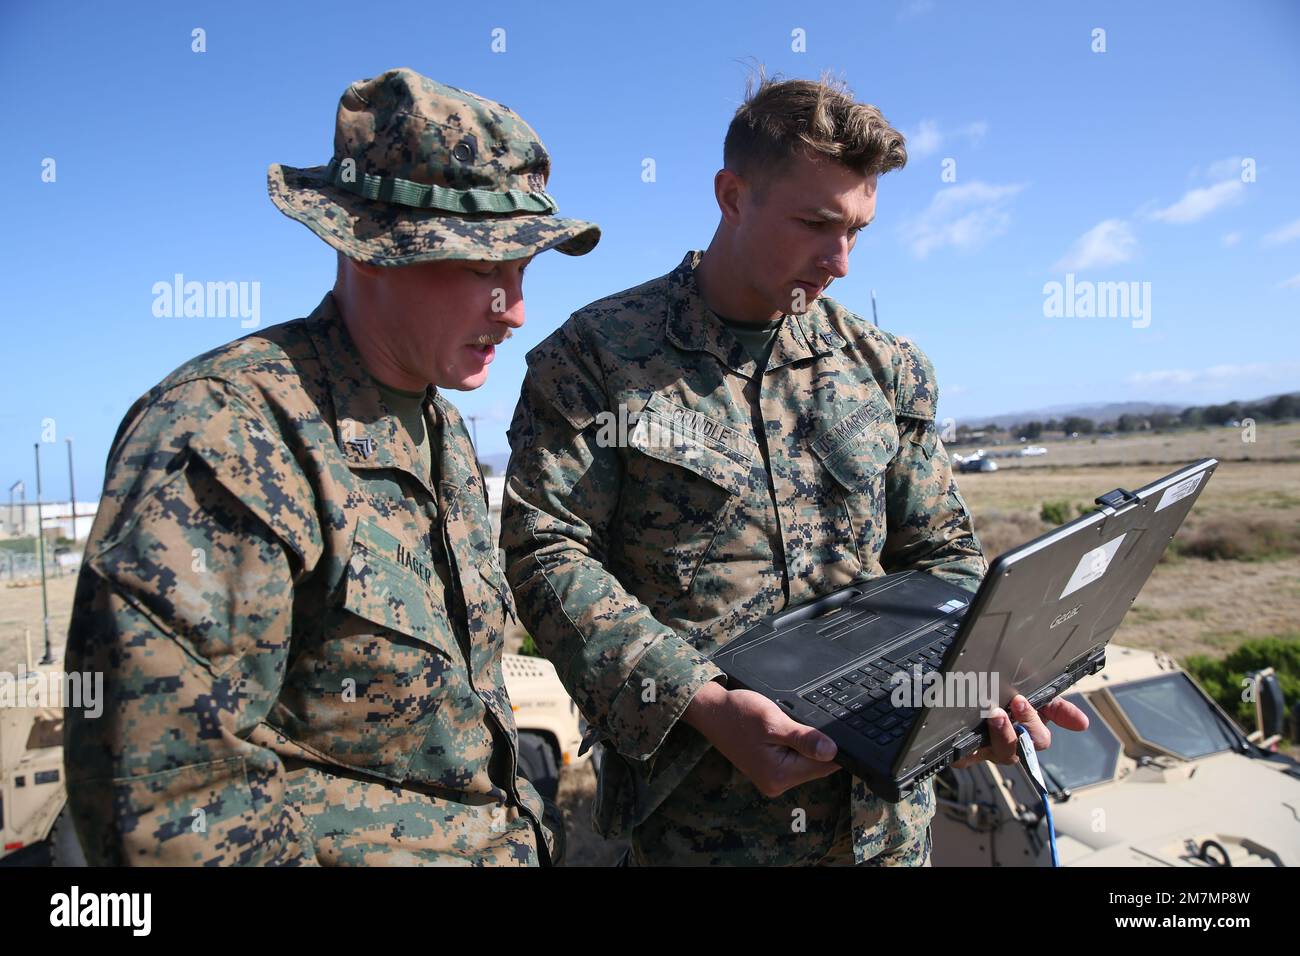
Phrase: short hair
(786, 118)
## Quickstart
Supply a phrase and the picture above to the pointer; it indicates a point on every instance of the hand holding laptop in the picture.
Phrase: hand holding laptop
(1002, 749)
(774, 751)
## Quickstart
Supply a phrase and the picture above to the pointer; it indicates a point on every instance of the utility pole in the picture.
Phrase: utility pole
(72, 492)
(16, 486)
(875, 319)
(40, 544)
(473, 421)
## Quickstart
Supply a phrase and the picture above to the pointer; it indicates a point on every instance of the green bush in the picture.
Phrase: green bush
(529, 647)
(1222, 678)
(1055, 512)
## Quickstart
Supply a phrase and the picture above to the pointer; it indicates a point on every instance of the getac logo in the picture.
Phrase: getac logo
(1062, 618)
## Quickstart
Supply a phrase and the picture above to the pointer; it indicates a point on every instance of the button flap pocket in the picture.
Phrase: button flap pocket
(710, 449)
(388, 585)
(859, 446)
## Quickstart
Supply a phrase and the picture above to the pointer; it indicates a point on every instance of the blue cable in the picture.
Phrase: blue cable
(1029, 759)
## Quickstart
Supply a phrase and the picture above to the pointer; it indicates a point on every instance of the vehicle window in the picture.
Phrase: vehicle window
(45, 732)
(1079, 758)
(1170, 711)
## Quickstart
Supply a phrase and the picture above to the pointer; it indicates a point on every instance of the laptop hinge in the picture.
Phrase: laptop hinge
(1112, 502)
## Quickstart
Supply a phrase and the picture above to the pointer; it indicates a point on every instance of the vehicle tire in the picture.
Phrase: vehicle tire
(553, 817)
(538, 764)
(65, 848)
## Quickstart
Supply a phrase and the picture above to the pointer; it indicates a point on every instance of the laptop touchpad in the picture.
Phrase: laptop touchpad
(814, 649)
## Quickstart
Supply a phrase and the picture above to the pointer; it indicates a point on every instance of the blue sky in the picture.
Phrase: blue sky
(1117, 166)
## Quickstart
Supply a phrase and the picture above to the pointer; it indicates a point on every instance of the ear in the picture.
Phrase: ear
(729, 189)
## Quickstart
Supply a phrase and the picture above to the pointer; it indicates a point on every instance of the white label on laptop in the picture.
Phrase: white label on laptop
(1179, 491)
(1092, 565)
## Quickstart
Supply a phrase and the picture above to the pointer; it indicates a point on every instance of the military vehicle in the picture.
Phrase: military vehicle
(36, 828)
(33, 824)
(550, 727)
(1162, 777)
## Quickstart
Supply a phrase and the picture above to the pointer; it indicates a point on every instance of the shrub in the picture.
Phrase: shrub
(1222, 679)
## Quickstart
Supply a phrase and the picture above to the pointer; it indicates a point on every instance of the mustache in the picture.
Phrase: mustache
(488, 339)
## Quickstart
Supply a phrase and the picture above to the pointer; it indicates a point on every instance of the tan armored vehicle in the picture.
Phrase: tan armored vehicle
(35, 829)
(550, 727)
(31, 775)
(1162, 777)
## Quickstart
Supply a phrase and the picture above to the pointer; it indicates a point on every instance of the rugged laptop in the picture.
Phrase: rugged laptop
(901, 670)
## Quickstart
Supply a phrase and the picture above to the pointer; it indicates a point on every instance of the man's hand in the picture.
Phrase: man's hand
(761, 740)
(1002, 749)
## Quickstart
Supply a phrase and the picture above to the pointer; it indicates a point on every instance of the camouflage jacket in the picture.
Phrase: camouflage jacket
(286, 678)
(664, 494)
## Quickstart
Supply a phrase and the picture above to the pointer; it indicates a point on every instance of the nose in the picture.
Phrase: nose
(508, 305)
(836, 259)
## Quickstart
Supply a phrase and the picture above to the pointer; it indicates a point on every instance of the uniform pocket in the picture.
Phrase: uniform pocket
(856, 452)
(680, 489)
(388, 660)
(387, 584)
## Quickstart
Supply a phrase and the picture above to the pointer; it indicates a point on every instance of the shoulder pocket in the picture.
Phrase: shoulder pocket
(255, 466)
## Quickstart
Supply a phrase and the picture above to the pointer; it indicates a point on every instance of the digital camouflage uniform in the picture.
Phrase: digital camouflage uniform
(734, 493)
(299, 625)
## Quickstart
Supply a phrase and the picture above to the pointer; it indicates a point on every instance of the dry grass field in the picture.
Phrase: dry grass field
(1190, 604)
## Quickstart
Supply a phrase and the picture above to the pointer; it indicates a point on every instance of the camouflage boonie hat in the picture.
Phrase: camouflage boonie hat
(424, 171)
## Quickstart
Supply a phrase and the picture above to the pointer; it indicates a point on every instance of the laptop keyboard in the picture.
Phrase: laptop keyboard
(860, 698)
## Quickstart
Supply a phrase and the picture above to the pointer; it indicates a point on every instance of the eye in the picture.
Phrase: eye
(483, 269)
(813, 223)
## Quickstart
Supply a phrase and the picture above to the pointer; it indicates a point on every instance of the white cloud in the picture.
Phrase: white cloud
(1231, 238)
(1108, 243)
(1250, 374)
(1283, 234)
(1198, 203)
(926, 140)
(1221, 170)
(1291, 283)
(962, 216)
(928, 137)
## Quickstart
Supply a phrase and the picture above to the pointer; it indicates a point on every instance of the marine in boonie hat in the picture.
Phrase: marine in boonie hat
(424, 171)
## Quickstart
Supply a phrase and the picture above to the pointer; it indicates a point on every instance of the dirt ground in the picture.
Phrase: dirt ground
(20, 609)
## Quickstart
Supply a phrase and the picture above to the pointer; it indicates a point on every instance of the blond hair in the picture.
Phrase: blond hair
(782, 119)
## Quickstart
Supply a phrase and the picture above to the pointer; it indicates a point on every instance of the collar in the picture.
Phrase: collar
(368, 432)
(692, 326)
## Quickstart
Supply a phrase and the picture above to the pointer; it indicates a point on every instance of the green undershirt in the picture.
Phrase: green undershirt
(757, 337)
(409, 409)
